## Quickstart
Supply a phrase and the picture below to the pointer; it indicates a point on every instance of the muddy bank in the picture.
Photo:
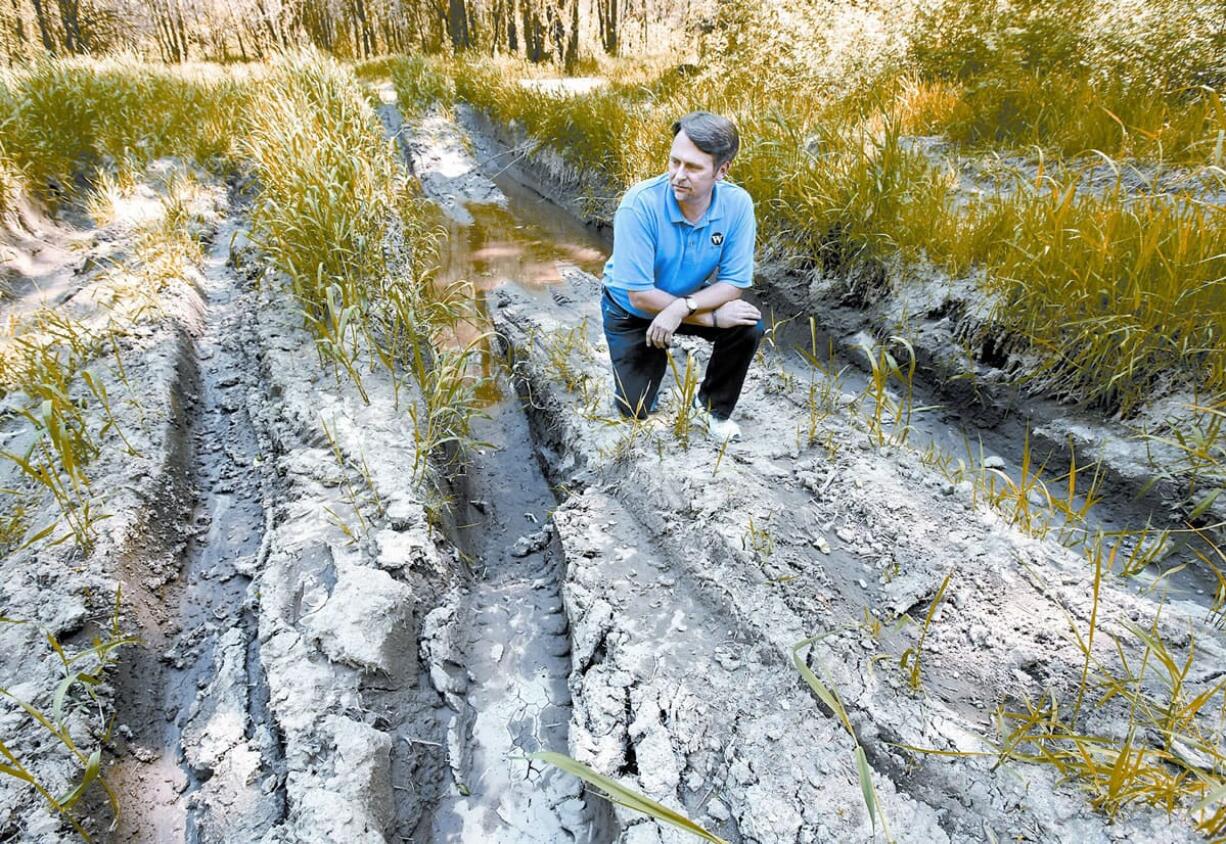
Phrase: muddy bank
(978, 375)
(787, 536)
(508, 150)
(273, 536)
(141, 480)
(679, 698)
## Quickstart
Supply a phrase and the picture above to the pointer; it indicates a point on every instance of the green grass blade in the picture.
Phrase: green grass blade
(624, 796)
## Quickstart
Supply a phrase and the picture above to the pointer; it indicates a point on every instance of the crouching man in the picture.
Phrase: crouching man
(672, 235)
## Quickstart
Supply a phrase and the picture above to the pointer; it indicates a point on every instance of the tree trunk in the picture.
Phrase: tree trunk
(606, 14)
(534, 34)
(19, 29)
(183, 44)
(497, 27)
(44, 31)
(363, 37)
(70, 19)
(571, 56)
(512, 33)
(457, 25)
(556, 32)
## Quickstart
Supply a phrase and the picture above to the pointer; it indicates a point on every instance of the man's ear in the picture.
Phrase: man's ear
(722, 171)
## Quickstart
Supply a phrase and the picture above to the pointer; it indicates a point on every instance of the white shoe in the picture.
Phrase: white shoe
(720, 430)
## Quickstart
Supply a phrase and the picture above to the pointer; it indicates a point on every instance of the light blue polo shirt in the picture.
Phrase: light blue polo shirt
(654, 245)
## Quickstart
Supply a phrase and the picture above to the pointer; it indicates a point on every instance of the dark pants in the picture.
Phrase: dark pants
(638, 368)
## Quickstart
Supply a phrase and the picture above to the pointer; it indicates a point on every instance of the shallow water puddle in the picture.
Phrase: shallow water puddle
(526, 244)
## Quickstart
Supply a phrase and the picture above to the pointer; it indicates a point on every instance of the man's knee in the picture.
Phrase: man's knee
(748, 333)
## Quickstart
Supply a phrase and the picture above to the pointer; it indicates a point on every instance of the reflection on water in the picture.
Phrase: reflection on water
(524, 244)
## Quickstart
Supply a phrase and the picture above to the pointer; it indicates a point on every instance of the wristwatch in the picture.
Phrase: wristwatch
(692, 304)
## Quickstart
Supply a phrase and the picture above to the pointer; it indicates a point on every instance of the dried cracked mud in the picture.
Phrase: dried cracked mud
(334, 651)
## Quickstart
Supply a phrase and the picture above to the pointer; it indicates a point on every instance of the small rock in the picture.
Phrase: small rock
(366, 621)
(398, 549)
(402, 512)
(993, 462)
(532, 543)
(144, 755)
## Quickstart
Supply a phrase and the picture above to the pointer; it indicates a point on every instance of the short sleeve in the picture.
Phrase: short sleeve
(736, 264)
(634, 250)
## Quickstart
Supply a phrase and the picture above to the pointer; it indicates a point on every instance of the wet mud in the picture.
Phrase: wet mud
(335, 650)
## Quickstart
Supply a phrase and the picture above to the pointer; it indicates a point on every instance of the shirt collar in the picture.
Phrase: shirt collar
(714, 211)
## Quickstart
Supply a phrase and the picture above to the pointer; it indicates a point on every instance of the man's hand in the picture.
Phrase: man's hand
(660, 332)
(736, 312)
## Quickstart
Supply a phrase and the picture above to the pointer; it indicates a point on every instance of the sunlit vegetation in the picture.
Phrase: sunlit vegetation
(63, 118)
(1117, 290)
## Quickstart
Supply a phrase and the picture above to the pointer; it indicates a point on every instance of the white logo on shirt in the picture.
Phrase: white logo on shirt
(717, 238)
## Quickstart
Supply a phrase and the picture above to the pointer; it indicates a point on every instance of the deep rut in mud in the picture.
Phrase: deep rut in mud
(516, 650)
(509, 659)
(194, 694)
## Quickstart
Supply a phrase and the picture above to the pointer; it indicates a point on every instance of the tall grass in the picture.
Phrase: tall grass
(615, 132)
(1073, 75)
(422, 82)
(63, 116)
(1115, 293)
(338, 216)
(75, 701)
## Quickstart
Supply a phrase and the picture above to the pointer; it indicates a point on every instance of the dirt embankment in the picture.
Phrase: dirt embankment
(736, 555)
(84, 285)
(272, 538)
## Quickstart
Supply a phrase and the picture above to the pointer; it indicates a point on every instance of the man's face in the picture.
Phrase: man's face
(692, 172)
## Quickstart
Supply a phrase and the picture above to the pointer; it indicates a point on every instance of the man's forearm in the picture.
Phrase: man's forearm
(707, 299)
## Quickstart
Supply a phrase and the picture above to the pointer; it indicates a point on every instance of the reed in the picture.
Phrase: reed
(834, 703)
(631, 799)
(910, 660)
(66, 116)
(76, 693)
(1114, 291)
